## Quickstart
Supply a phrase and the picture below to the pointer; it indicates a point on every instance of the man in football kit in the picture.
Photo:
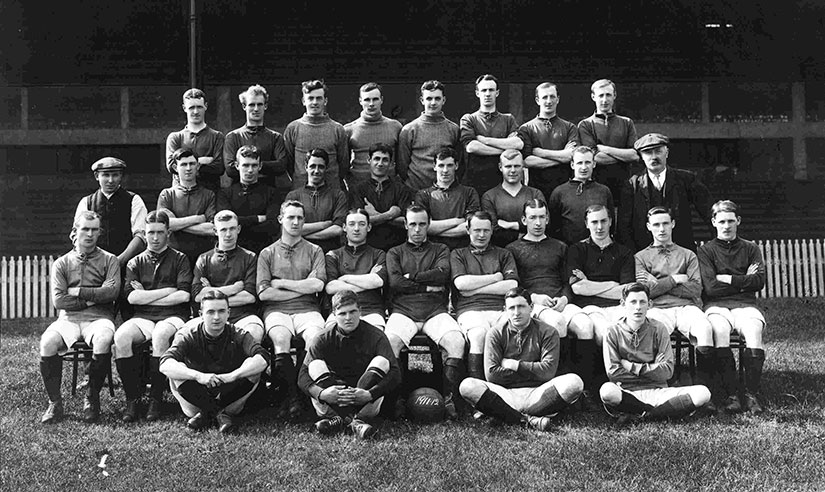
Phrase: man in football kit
(230, 269)
(384, 197)
(190, 209)
(671, 273)
(506, 201)
(158, 284)
(84, 285)
(315, 129)
(291, 273)
(255, 202)
(348, 370)
(521, 356)
(733, 271)
(370, 129)
(481, 274)
(204, 142)
(325, 207)
(485, 134)
(660, 185)
(541, 264)
(569, 201)
(548, 142)
(448, 202)
(215, 367)
(419, 272)
(612, 136)
(270, 144)
(639, 361)
(359, 268)
(423, 137)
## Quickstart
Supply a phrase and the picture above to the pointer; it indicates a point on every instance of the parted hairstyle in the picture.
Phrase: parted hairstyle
(344, 298)
(308, 86)
(596, 207)
(370, 86)
(432, 85)
(487, 76)
(320, 153)
(480, 215)
(290, 203)
(659, 210)
(214, 295)
(157, 217)
(183, 154)
(532, 203)
(508, 155)
(724, 206)
(635, 287)
(87, 215)
(253, 90)
(414, 209)
(545, 85)
(519, 292)
(194, 93)
(248, 151)
(225, 216)
(583, 149)
(359, 211)
(602, 83)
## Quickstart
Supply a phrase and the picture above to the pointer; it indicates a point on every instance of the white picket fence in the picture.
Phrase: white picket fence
(796, 268)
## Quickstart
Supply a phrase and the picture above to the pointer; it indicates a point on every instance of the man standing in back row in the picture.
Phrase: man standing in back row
(196, 136)
(370, 129)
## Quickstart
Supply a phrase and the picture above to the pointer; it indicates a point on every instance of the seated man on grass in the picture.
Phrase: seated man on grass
(521, 356)
(215, 367)
(348, 370)
(639, 362)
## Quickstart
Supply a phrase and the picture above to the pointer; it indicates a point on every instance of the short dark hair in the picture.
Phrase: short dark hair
(183, 154)
(225, 216)
(214, 295)
(308, 86)
(381, 147)
(194, 93)
(532, 203)
(414, 209)
(344, 298)
(369, 86)
(635, 287)
(359, 211)
(546, 85)
(724, 206)
(320, 153)
(486, 76)
(519, 292)
(659, 210)
(596, 207)
(248, 151)
(445, 153)
(432, 85)
(157, 217)
(480, 215)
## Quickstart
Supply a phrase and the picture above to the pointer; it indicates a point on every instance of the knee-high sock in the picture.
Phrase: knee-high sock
(586, 351)
(553, 402)
(453, 375)
(491, 404)
(370, 378)
(129, 370)
(51, 369)
(159, 382)
(98, 369)
(565, 355)
(754, 360)
(706, 366)
(726, 368)
(631, 404)
(475, 366)
(678, 406)
(232, 392)
(198, 395)
(285, 368)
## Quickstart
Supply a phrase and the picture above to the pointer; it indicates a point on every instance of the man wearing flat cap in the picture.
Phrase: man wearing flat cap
(660, 185)
(122, 215)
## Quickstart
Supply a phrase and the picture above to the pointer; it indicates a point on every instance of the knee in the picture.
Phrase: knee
(475, 337)
(581, 326)
(471, 389)
(752, 333)
(380, 363)
(569, 386)
(699, 395)
(102, 341)
(50, 343)
(395, 343)
(317, 368)
(610, 394)
(453, 344)
(281, 337)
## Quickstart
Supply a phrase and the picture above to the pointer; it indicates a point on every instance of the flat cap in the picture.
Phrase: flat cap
(650, 141)
(108, 164)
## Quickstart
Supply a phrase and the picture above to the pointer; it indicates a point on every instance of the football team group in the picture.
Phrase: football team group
(549, 266)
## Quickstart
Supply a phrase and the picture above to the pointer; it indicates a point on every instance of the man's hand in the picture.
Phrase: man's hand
(559, 303)
(370, 208)
(435, 288)
(354, 397)
(725, 279)
(209, 380)
(753, 269)
(205, 160)
(511, 364)
(680, 278)
(136, 285)
(626, 365)
(332, 395)
(205, 282)
(377, 268)
(579, 274)
(543, 300)
(570, 145)
(74, 291)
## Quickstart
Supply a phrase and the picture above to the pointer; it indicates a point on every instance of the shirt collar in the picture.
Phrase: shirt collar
(356, 250)
(488, 116)
(184, 189)
(662, 176)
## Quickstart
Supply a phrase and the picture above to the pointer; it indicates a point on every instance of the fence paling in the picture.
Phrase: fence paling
(820, 265)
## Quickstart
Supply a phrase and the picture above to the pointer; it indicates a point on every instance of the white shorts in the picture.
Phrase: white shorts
(564, 316)
(241, 324)
(146, 326)
(612, 314)
(367, 411)
(479, 319)
(736, 317)
(683, 318)
(657, 396)
(375, 319)
(435, 328)
(307, 325)
(72, 332)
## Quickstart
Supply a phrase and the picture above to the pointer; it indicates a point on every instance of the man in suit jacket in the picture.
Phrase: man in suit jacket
(660, 186)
